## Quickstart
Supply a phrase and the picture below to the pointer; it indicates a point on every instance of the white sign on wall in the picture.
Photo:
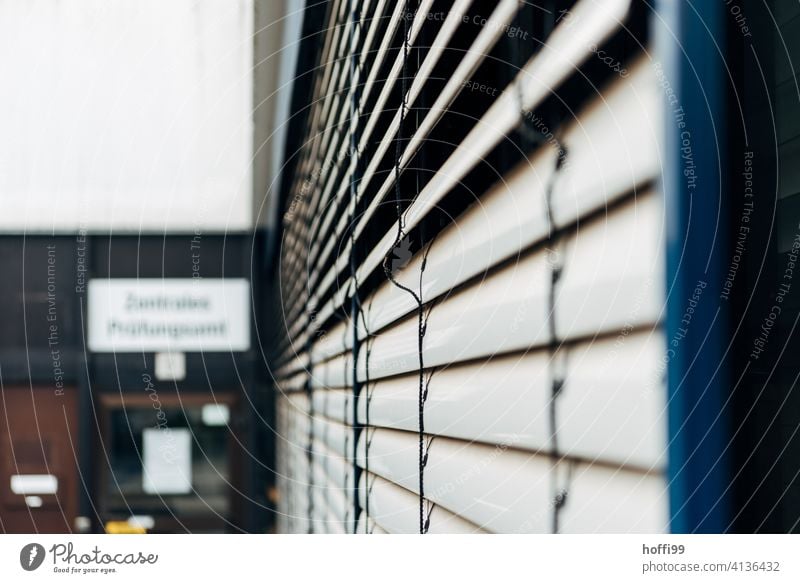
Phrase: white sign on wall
(167, 459)
(160, 315)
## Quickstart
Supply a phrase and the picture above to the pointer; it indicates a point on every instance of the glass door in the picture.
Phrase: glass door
(170, 464)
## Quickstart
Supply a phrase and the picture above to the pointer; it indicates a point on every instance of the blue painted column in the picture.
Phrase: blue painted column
(690, 48)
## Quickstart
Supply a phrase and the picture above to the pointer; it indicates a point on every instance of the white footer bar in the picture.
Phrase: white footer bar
(333, 559)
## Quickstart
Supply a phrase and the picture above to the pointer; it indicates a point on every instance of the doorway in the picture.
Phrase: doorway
(39, 453)
(173, 462)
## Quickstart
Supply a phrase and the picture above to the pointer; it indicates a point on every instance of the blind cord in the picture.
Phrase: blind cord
(356, 307)
(368, 442)
(310, 388)
(387, 268)
(560, 493)
(346, 451)
(535, 133)
(310, 444)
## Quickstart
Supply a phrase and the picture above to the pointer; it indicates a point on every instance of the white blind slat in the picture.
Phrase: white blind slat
(506, 490)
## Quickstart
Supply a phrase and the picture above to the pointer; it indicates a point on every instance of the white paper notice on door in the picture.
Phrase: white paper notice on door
(167, 461)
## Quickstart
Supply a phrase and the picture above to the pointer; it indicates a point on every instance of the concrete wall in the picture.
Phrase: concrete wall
(126, 115)
(278, 26)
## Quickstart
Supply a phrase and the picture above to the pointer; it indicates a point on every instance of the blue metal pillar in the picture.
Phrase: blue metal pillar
(690, 46)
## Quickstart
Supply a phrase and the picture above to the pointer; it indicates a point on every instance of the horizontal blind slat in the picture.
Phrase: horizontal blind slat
(613, 402)
(395, 510)
(505, 490)
(606, 262)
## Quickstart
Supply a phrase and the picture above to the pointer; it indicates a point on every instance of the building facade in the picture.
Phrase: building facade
(135, 391)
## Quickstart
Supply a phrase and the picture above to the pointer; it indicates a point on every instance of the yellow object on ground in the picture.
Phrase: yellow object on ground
(124, 527)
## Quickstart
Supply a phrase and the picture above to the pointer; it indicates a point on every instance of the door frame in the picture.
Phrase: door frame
(168, 400)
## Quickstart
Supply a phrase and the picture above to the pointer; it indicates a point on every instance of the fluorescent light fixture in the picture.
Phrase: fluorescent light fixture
(216, 414)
